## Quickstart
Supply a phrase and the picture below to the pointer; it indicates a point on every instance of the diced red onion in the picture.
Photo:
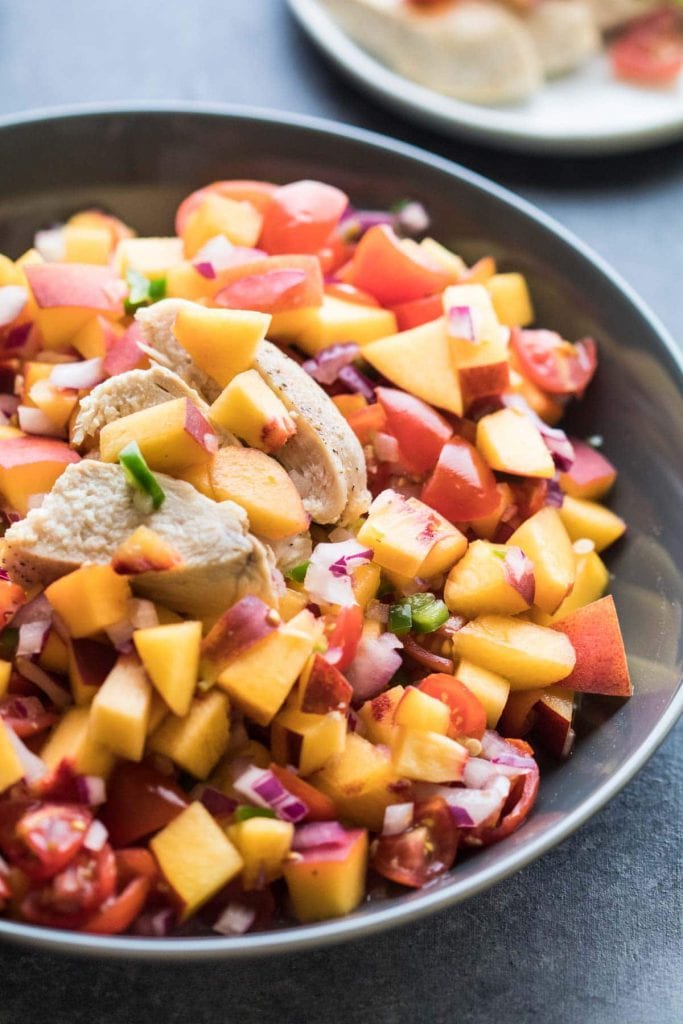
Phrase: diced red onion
(377, 660)
(328, 575)
(220, 254)
(206, 269)
(38, 609)
(217, 803)
(12, 301)
(80, 376)
(121, 636)
(355, 223)
(60, 697)
(91, 790)
(376, 611)
(554, 496)
(35, 421)
(319, 833)
(519, 573)
(261, 787)
(413, 218)
(236, 919)
(51, 244)
(32, 636)
(142, 613)
(386, 447)
(514, 761)
(469, 807)
(496, 749)
(8, 404)
(356, 382)
(96, 836)
(34, 768)
(397, 818)
(155, 925)
(326, 365)
(478, 772)
(460, 320)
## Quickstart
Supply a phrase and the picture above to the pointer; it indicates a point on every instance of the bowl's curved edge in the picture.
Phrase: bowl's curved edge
(394, 913)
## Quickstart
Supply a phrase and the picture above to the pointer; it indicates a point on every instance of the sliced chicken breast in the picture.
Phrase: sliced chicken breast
(128, 393)
(476, 51)
(91, 511)
(565, 34)
(324, 458)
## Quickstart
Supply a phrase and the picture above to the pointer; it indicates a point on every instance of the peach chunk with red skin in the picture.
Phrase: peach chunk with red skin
(595, 635)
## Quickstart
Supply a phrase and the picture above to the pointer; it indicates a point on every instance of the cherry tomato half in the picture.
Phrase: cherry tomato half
(72, 895)
(650, 50)
(423, 852)
(522, 798)
(421, 431)
(343, 637)
(301, 216)
(47, 836)
(462, 487)
(468, 715)
(393, 270)
(553, 364)
(136, 873)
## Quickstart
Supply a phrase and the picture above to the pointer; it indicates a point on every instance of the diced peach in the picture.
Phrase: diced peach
(171, 436)
(554, 718)
(307, 741)
(590, 583)
(361, 781)
(264, 845)
(89, 599)
(222, 342)
(30, 465)
(248, 408)
(540, 402)
(144, 551)
(591, 474)
(183, 281)
(365, 581)
(150, 257)
(89, 664)
(58, 404)
(595, 634)
(262, 487)
(449, 261)
(85, 243)
(511, 443)
(120, 709)
(420, 362)
(377, 715)
(239, 222)
(527, 655)
(488, 687)
(519, 715)
(483, 381)
(72, 740)
(511, 299)
(170, 655)
(96, 337)
(54, 656)
(417, 710)
(260, 678)
(334, 321)
(588, 519)
(68, 294)
(5, 676)
(197, 741)
(490, 341)
(348, 404)
(427, 756)
(487, 526)
(478, 584)
(291, 603)
(322, 689)
(11, 768)
(196, 857)
(409, 538)
(544, 540)
(328, 881)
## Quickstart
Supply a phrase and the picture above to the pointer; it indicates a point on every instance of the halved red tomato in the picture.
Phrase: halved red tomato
(468, 715)
(392, 270)
(462, 486)
(420, 430)
(343, 636)
(136, 872)
(367, 422)
(650, 50)
(45, 837)
(418, 311)
(553, 364)
(424, 851)
(258, 193)
(349, 293)
(69, 898)
(300, 217)
(522, 798)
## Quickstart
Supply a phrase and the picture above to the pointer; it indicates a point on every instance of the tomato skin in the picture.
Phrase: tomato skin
(301, 216)
(320, 806)
(70, 897)
(650, 50)
(333, 253)
(421, 431)
(140, 800)
(136, 873)
(349, 293)
(367, 422)
(468, 716)
(394, 274)
(418, 312)
(258, 193)
(462, 487)
(422, 852)
(553, 364)
(42, 838)
(344, 636)
(524, 794)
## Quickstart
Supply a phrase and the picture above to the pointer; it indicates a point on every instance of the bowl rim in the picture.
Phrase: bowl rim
(399, 911)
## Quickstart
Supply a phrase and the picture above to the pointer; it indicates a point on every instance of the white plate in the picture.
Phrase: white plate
(585, 112)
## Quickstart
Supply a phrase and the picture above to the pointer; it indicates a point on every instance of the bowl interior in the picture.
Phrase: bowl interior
(140, 164)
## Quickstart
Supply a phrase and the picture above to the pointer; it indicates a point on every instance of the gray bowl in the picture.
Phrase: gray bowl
(141, 162)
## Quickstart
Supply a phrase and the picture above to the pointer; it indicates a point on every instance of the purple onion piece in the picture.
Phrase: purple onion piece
(554, 496)
(519, 573)
(319, 833)
(356, 382)
(461, 324)
(325, 367)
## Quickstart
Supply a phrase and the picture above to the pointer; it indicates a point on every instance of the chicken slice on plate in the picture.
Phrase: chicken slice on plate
(128, 393)
(565, 34)
(476, 51)
(613, 13)
(91, 510)
(324, 458)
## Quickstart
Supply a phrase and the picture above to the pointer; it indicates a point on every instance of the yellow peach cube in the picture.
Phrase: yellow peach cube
(427, 756)
(511, 443)
(361, 781)
(479, 584)
(171, 436)
(527, 655)
(89, 599)
(583, 518)
(170, 655)
(328, 882)
(307, 741)
(488, 687)
(196, 742)
(119, 712)
(250, 410)
(545, 541)
(239, 222)
(222, 342)
(511, 299)
(264, 845)
(11, 768)
(72, 740)
(417, 710)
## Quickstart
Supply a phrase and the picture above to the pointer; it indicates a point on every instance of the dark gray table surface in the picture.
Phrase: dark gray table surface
(591, 933)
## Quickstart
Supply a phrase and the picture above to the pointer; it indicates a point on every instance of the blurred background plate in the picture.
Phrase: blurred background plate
(586, 112)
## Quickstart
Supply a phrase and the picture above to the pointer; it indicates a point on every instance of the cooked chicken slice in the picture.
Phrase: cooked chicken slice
(91, 511)
(324, 458)
(157, 327)
(476, 50)
(612, 13)
(565, 34)
(127, 393)
(291, 551)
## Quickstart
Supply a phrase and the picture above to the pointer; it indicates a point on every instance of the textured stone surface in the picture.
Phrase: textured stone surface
(591, 933)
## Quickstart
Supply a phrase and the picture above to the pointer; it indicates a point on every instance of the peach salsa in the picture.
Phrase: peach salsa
(296, 562)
